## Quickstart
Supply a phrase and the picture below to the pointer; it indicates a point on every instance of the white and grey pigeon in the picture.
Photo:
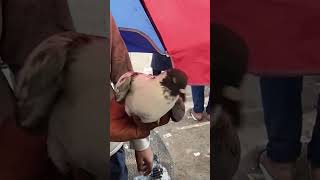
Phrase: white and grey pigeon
(150, 97)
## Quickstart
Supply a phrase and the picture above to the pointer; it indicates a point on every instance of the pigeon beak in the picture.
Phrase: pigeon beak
(183, 91)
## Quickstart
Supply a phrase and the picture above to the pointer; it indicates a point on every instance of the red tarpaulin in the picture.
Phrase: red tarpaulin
(283, 36)
(184, 26)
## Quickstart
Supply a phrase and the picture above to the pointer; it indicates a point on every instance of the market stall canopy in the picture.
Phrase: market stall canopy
(180, 29)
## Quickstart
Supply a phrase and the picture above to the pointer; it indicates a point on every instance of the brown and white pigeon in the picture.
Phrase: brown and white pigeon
(150, 97)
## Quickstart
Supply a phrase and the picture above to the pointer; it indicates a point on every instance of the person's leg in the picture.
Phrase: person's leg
(156, 72)
(118, 166)
(160, 63)
(314, 147)
(281, 99)
(209, 108)
(198, 98)
(198, 102)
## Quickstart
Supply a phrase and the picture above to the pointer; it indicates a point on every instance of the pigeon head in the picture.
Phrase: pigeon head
(176, 81)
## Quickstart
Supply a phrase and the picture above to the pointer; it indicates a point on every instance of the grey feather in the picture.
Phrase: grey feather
(123, 86)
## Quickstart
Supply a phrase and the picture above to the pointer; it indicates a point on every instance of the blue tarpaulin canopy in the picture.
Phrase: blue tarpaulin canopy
(135, 26)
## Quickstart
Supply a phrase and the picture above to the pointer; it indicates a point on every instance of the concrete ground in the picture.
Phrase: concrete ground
(188, 142)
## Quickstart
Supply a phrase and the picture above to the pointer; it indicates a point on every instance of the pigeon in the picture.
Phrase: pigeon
(150, 97)
(61, 93)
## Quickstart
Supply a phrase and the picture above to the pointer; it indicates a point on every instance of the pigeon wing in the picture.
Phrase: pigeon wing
(123, 86)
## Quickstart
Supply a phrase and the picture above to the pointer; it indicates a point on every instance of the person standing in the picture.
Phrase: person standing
(160, 63)
(199, 111)
(282, 105)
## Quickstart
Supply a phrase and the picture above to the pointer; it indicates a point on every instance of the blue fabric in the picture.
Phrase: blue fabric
(156, 72)
(130, 14)
(281, 99)
(118, 166)
(160, 62)
(198, 98)
(136, 43)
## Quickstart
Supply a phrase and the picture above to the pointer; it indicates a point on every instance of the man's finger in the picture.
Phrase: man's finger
(144, 168)
(148, 168)
(140, 166)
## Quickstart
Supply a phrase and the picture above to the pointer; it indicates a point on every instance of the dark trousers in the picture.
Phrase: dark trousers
(282, 105)
(118, 166)
(198, 99)
(156, 72)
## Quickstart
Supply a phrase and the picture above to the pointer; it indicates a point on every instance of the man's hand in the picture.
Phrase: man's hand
(144, 161)
(124, 128)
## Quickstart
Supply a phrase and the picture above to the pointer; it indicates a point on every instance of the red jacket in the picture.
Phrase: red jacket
(283, 35)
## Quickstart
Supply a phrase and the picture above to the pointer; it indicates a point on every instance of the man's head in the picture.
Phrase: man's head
(230, 59)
